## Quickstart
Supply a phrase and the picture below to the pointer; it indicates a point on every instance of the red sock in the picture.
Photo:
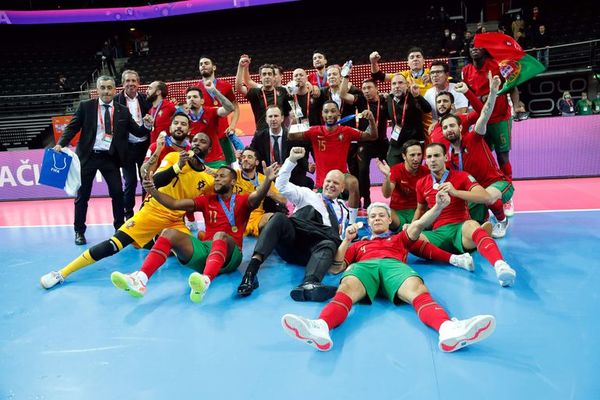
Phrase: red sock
(423, 249)
(216, 258)
(507, 170)
(498, 210)
(486, 246)
(430, 312)
(157, 256)
(337, 310)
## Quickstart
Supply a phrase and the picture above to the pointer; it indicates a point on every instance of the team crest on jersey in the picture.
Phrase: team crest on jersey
(201, 185)
(130, 224)
(510, 70)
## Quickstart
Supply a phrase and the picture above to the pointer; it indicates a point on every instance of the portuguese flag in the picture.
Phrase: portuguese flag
(515, 65)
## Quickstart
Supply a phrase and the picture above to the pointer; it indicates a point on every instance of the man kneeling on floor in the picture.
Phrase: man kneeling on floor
(379, 264)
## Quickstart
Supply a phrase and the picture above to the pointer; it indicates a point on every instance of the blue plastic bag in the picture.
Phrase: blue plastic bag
(55, 169)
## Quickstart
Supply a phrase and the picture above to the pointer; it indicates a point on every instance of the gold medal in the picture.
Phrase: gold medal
(216, 103)
(234, 229)
(436, 186)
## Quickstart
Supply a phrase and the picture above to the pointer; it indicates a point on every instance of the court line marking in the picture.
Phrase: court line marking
(109, 224)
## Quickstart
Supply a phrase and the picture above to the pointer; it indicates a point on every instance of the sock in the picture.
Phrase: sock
(157, 256)
(486, 246)
(216, 258)
(353, 214)
(254, 265)
(507, 170)
(83, 260)
(337, 310)
(430, 312)
(498, 210)
(423, 249)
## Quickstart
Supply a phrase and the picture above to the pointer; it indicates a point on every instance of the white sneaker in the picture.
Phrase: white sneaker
(198, 286)
(314, 332)
(500, 228)
(191, 225)
(133, 283)
(506, 275)
(509, 208)
(464, 261)
(51, 279)
(456, 334)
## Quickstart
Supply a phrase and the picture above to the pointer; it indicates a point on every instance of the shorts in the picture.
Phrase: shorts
(479, 212)
(146, 223)
(252, 227)
(498, 136)
(447, 237)
(201, 250)
(383, 276)
(405, 216)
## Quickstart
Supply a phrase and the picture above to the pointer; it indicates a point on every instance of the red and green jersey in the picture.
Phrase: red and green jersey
(455, 212)
(466, 121)
(215, 217)
(478, 82)
(404, 196)
(477, 160)
(331, 148)
(394, 247)
(162, 115)
(208, 122)
(226, 90)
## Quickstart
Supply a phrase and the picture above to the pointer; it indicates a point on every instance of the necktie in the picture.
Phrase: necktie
(276, 152)
(332, 216)
(107, 127)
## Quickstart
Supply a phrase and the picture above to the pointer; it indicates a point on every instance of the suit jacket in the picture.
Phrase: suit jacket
(86, 120)
(261, 142)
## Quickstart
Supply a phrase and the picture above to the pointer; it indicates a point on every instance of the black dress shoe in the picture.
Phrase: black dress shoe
(249, 283)
(313, 291)
(80, 238)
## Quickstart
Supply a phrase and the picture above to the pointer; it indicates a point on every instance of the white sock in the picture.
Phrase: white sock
(141, 275)
(353, 214)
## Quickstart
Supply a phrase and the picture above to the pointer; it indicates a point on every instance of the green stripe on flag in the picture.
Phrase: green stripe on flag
(518, 71)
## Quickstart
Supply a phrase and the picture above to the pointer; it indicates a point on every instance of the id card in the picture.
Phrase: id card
(107, 138)
(396, 132)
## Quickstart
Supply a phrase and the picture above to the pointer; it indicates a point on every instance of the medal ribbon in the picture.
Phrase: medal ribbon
(229, 211)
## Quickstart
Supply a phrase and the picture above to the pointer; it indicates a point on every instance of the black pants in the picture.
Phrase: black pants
(280, 234)
(109, 168)
(135, 158)
(366, 152)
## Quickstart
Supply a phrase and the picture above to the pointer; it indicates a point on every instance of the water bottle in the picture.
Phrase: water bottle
(346, 68)
(235, 141)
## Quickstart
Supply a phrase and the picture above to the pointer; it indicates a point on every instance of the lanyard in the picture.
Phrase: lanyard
(403, 110)
(229, 211)
(254, 181)
(460, 159)
(436, 185)
(307, 103)
(101, 116)
(265, 97)
(329, 204)
(170, 142)
(157, 110)
(320, 83)
(378, 109)
(381, 235)
(196, 118)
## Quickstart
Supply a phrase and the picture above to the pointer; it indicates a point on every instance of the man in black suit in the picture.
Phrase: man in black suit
(272, 145)
(138, 146)
(104, 125)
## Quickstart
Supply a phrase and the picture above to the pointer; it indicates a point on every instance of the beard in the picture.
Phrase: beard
(223, 189)
(206, 74)
(152, 97)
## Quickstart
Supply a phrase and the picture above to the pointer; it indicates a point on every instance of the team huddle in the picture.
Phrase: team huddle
(448, 194)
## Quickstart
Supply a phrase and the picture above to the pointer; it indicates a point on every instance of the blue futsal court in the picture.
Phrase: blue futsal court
(87, 340)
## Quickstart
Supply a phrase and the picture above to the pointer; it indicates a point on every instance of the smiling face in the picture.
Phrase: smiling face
(333, 184)
(443, 104)
(131, 83)
(248, 161)
(334, 76)
(451, 129)
(152, 92)
(319, 61)
(379, 220)
(180, 127)
(331, 113)
(267, 77)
